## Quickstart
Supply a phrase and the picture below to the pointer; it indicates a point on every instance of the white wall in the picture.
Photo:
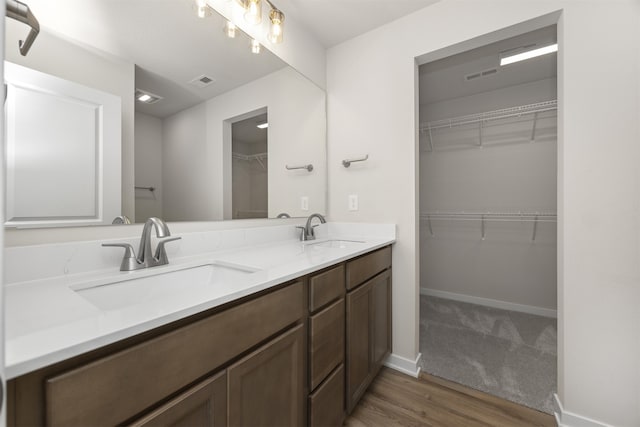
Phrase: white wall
(148, 166)
(187, 173)
(52, 55)
(508, 174)
(198, 142)
(372, 90)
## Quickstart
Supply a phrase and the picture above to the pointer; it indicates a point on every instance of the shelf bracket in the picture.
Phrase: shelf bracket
(480, 134)
(533, 129)
(429, 225)
(482, 227)
(430, 139)
(535, 228)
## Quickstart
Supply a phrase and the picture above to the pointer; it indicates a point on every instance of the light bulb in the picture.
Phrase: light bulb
(230, 29)
(253, 11)
(255, 46)
(202, 8)
(277, 23)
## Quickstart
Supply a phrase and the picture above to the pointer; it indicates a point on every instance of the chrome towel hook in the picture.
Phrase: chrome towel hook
(347, 162)
(308, 167)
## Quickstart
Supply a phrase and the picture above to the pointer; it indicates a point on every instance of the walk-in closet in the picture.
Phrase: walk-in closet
(488, 245)
(249, 167)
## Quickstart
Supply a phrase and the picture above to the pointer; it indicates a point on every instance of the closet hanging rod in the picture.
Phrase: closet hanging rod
(258, 156)
(488, 213)
(152, 189)
(491, 115)
(489, 216)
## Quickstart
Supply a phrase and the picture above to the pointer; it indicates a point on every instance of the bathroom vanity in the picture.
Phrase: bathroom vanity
(284, 351)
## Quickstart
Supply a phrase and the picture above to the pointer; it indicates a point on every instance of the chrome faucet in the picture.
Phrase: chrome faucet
(307, 232)
(145, 259)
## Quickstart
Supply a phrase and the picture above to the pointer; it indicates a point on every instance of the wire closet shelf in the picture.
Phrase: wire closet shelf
(530, 111)
(483, 217)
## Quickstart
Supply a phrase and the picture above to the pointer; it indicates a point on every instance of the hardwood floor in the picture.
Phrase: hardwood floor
(395, 399)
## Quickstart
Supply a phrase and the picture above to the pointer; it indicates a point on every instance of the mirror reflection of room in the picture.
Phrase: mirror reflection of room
(249, 141)
(172, 156)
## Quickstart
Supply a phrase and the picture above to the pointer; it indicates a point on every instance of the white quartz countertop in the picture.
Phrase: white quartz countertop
(48, 321)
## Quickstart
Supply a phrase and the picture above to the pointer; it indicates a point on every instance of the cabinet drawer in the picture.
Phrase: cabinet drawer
(326, 404)
(326, 287)
(111, 390)
(367, 266)
(326, 338)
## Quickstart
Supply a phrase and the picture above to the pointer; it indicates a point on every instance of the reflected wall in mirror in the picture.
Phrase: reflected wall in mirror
(182, 145)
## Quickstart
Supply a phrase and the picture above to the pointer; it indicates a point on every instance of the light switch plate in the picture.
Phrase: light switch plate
(353, 202)
(304, 203)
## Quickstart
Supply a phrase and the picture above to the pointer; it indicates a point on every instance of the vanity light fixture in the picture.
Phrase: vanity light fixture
(230, 29)
(203, 9)
(277, 22)
(253, 15)
(506, 60)
(253, 11)
(255, 46)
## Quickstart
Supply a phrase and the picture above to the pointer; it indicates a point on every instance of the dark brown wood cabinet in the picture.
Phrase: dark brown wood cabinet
(266, 388)
(300, 354)
(202, 405)
(326, 347)
(368, 324)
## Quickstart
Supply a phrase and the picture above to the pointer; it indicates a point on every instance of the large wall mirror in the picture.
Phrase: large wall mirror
(209, 130)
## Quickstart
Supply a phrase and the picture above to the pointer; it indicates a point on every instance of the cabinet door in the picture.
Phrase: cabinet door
(381, 300)
(359, 342)
(204, 405)
(266, 388)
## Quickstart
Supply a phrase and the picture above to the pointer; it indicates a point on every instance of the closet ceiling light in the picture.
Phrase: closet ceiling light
(263, 125)
(528, 54)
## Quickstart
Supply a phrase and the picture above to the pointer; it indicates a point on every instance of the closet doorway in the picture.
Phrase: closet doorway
(488, 245)
(249, 169)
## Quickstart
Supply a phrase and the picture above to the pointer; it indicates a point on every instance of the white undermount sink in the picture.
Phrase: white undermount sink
(145, 285)
(340, 244)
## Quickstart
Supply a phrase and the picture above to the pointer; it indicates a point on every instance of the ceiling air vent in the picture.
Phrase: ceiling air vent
(479, 74)
(202, 81)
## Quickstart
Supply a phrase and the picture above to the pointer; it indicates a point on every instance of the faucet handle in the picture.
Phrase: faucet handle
(129, 261)
(161, 253)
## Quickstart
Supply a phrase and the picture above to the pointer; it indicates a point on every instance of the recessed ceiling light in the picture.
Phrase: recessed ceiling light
(528, 54)
(147, 97)
(263, 125)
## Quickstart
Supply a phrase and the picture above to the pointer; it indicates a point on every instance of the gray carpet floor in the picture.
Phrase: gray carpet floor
(505, 353)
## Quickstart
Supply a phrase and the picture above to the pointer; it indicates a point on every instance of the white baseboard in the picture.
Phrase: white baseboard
(505, 305)
(406, 366)
(568, 419)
